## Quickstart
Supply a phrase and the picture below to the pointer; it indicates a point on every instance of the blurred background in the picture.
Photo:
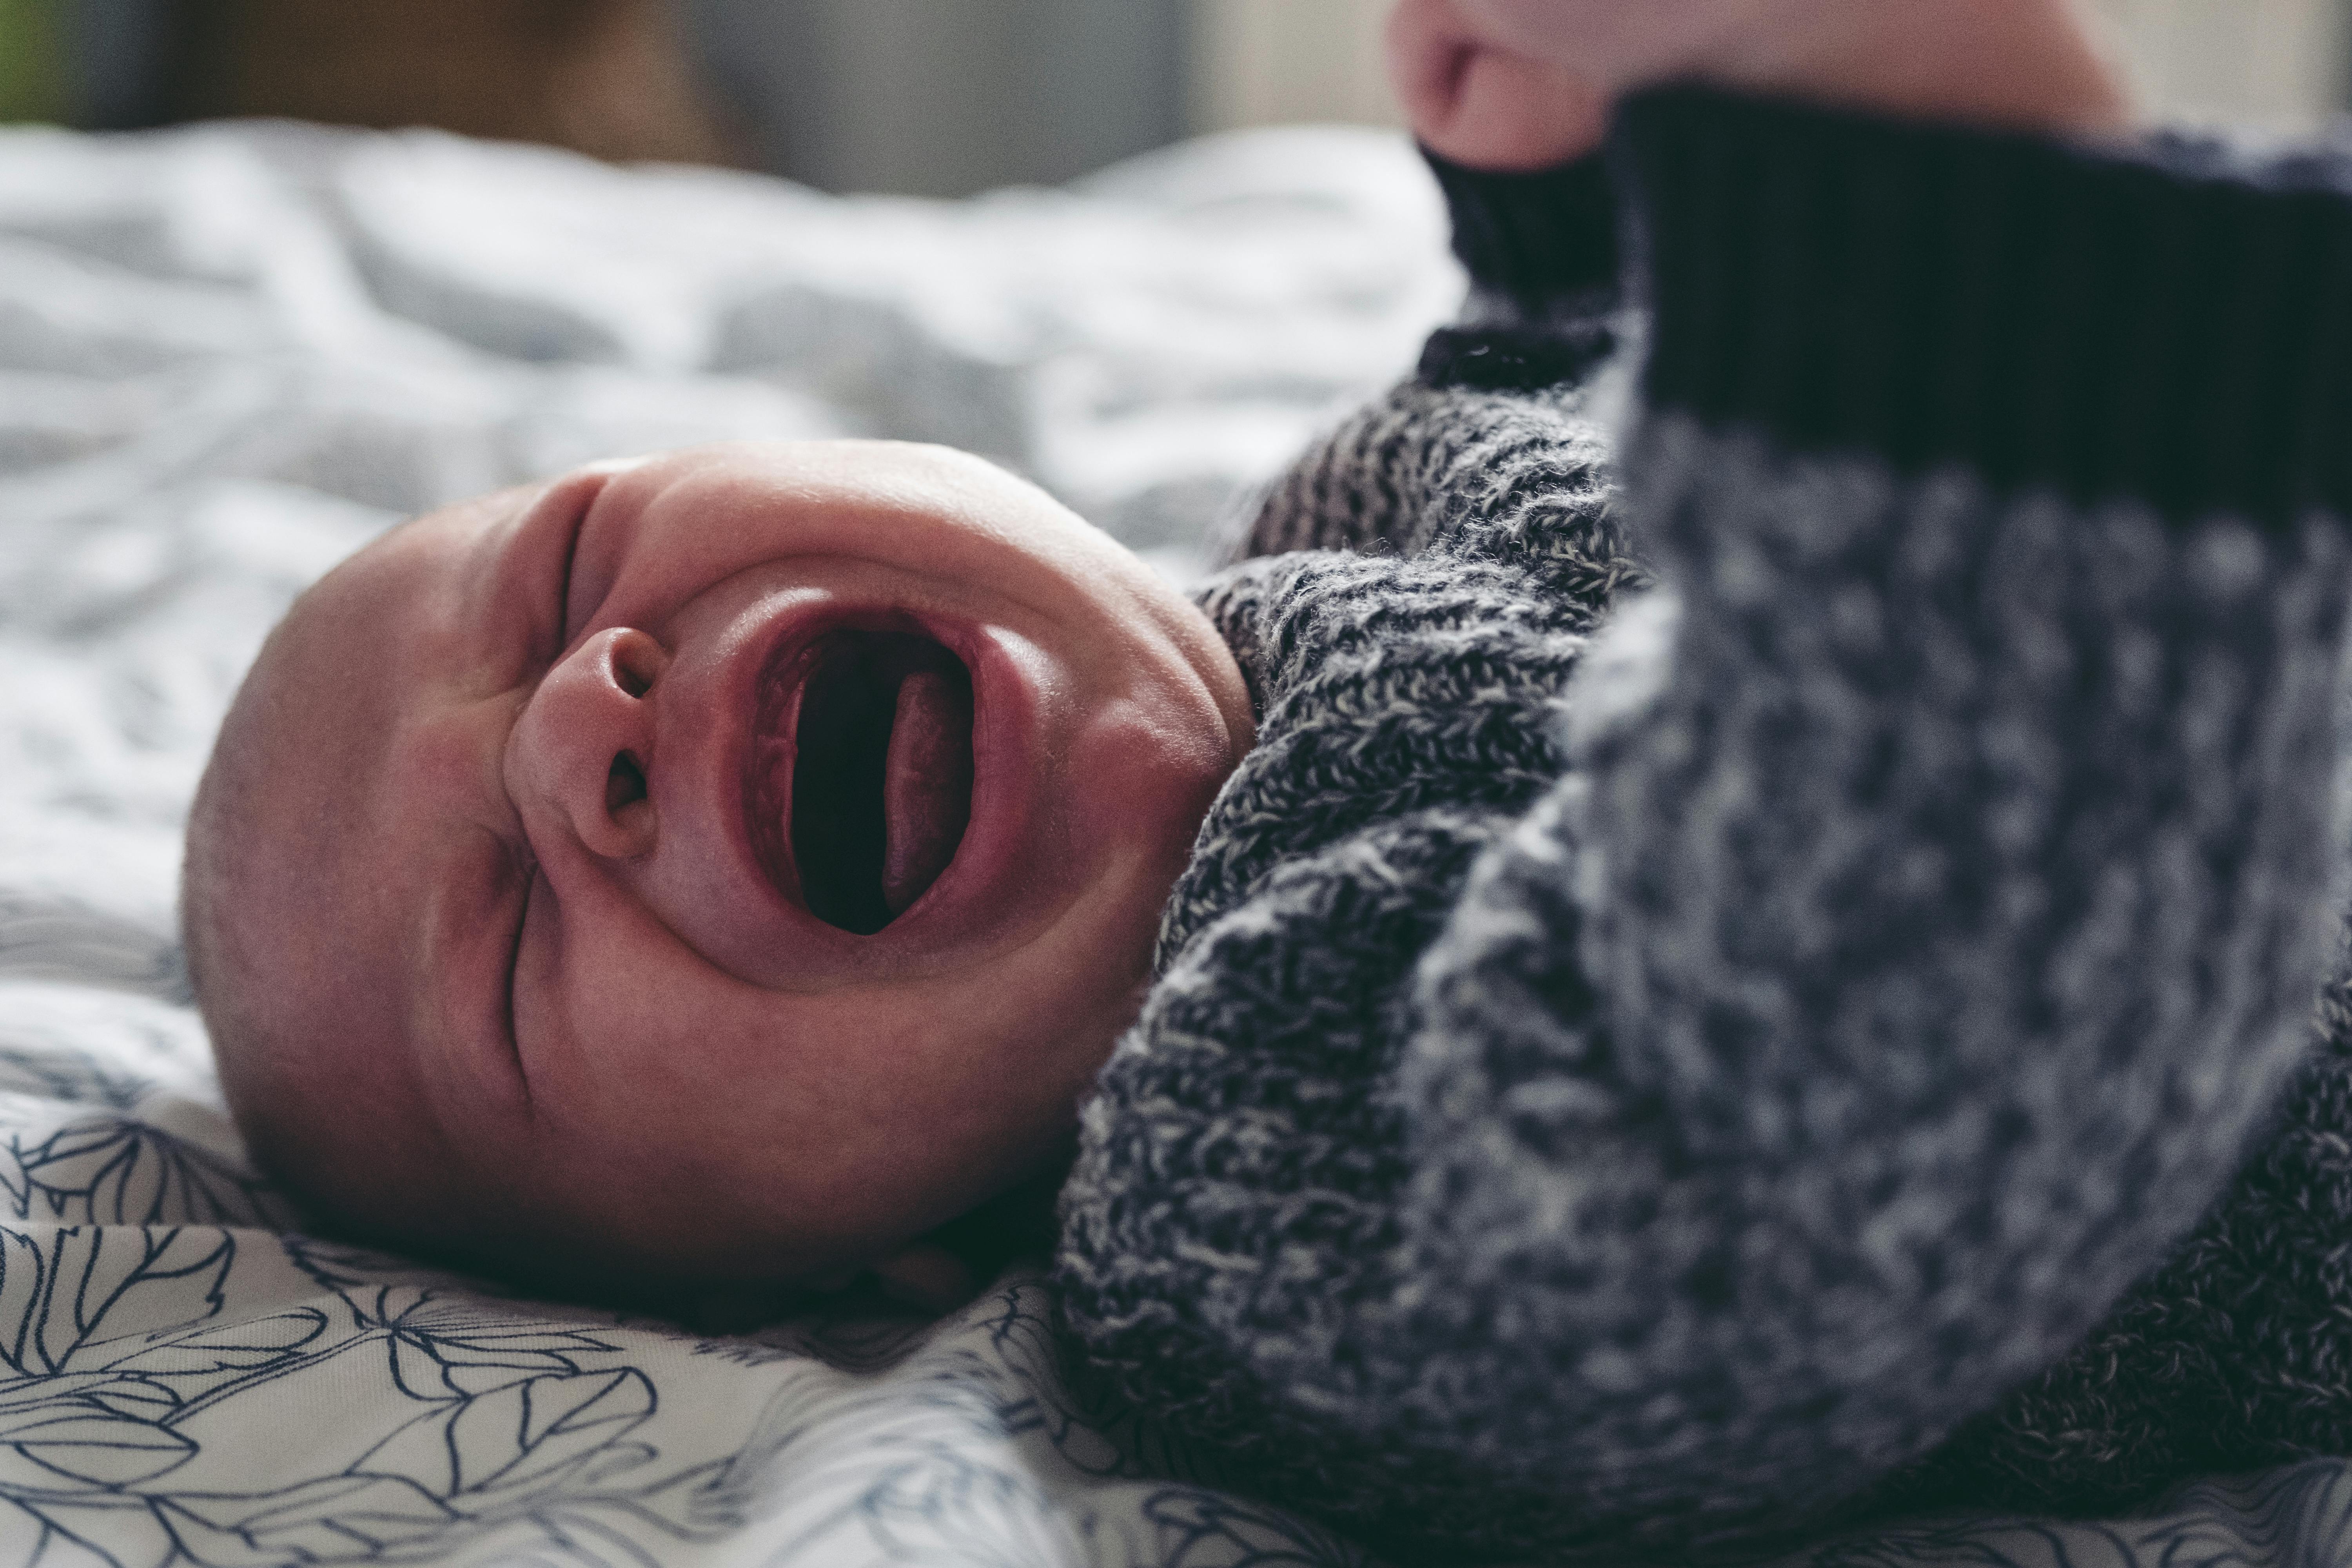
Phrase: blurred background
(921, 97)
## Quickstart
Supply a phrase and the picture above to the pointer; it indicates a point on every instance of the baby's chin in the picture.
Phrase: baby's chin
(727, 1282)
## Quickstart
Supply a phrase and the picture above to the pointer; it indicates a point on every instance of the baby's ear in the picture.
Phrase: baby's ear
(928, 1276)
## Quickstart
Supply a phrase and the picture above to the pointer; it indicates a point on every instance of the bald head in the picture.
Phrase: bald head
(328, 1120)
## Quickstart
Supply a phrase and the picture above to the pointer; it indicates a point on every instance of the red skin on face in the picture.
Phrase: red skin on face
(1524, 84)
(527, 995)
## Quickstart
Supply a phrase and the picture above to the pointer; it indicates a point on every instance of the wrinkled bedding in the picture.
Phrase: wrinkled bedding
(227, 356)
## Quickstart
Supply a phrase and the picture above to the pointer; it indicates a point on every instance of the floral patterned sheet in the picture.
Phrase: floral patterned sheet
(227, 356)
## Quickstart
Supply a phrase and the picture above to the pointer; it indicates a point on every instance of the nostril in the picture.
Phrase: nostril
(635, 661)
(625, 784)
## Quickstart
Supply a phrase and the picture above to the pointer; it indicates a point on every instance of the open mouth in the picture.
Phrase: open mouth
(877, 771)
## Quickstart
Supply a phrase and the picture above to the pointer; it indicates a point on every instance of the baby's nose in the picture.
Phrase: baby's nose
(582, 750)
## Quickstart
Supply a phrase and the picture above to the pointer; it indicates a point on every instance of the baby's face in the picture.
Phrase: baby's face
(731, 865)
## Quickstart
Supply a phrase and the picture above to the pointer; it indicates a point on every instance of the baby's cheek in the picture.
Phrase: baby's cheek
(1161, 763)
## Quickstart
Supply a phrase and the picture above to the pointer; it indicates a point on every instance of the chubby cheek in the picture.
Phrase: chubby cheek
(689, 1116)
(1145, 773)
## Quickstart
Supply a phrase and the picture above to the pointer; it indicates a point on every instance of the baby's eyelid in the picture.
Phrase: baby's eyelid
(563, 577)
(528, 866)
(547, 580)
(526, 859)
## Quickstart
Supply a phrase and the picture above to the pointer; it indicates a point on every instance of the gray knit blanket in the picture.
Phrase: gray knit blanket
(1762, 972)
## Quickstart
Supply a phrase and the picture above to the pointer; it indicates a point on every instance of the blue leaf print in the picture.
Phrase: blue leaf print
(520, 1437)
(336, 1519)
(233, 1348)
(72, 1445)
(109, 1171)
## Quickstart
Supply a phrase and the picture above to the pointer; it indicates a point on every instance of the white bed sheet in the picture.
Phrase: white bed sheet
(230, 354)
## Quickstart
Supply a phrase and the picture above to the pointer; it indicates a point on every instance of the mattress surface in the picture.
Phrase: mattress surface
(228, 355)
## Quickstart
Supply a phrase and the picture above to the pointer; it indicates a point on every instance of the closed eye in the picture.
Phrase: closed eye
(525, 876)
(535, 600)
(477, 921)
(563, 581)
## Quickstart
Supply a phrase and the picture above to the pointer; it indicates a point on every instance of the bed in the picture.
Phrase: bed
(228, 355)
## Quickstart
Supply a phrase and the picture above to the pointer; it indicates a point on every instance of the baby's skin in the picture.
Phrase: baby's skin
(725, 867)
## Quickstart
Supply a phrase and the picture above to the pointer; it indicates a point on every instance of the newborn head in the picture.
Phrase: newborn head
(725, 867)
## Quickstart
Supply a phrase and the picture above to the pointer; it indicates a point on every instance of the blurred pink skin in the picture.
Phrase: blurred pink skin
(1473, 94)
(525, 991)
(1523, 84)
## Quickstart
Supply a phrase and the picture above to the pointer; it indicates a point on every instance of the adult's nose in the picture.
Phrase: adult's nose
(581, 760)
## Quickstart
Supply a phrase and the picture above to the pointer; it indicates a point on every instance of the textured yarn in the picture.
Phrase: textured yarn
(1738, 986)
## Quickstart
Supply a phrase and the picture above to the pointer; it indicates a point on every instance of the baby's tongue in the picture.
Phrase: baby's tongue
(926, 785)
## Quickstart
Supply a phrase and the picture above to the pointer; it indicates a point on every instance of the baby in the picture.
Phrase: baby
(733, 866)
(726, 866)
(1621, 1076)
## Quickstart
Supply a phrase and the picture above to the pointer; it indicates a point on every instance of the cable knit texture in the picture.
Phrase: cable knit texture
(1671, 1050)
